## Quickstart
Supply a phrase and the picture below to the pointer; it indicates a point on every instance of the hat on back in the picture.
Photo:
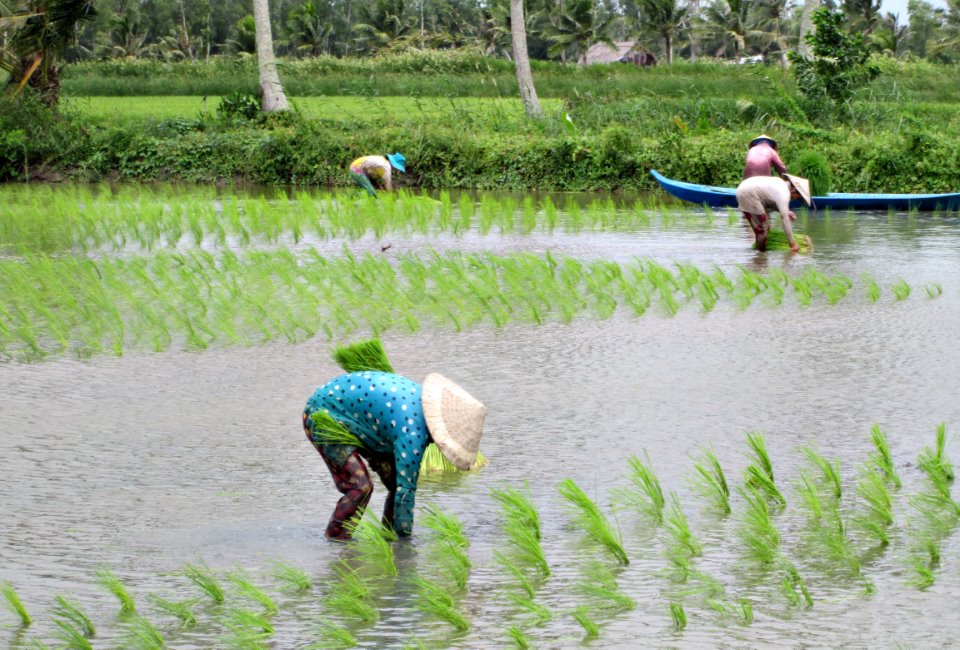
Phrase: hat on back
(802, 186)
(454, 419)
(397, 161)
(763, 138)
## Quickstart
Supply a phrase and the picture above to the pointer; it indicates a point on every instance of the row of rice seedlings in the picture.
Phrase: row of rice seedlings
(109, 581)
(12, 600)
(758, 474)
(74, 626)
(644, 493)
(589, 517)
(99, 220)
(757, 531)
(58, 305)
(710, 481)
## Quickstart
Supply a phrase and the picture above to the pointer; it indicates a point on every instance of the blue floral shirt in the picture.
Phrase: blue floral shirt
(383, 410)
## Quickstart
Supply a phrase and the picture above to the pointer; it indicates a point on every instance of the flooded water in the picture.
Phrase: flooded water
(148, 462)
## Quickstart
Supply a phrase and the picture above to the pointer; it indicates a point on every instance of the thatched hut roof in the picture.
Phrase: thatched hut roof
(603, 53)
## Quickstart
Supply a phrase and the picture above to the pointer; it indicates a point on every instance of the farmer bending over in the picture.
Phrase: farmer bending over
(395, 419)
(761, 156)
(371, 171)
(759, 194)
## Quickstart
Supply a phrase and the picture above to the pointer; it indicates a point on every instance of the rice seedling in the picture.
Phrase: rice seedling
(433, 599)
(600, 585)
(791, 583)
(70, 614)
(72, 637)
(678, 527)
(777, 241)
(829, 471)
(518, 637)
(333, 637)
(350, 596)
(12, 600)
(182, 610)
(645, 492)
(592, 520)
(814, 166)
(141, 634)
(759, 473)
(934, 461)
(109, 581)
(250, 629)
(518, 508)
(934, 290)
(872, 288)
(373, 544)
(203, 577)
(711, 482)
(679, 616)
(292, 578)
(757, 531)
(901, 290)
(522, 580)
(882, 456)
(364, 355)
(582, 615)
(877, 517)
(434, 461)
(252, 592)
(541, 613)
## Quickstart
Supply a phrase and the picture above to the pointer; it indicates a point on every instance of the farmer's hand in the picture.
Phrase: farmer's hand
(794, 247)
(792, 215)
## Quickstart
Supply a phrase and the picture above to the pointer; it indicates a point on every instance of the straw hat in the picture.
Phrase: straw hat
(802, 185)
(761, 138)
(454, 418)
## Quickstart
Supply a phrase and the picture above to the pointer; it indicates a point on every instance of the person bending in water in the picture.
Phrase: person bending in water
(370, 171)
(762, 156)
(759, 194)
(395, 419)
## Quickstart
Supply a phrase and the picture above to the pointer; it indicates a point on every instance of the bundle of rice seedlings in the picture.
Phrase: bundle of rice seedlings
(592, 520)
(249, 628)
(446, 526)
(645, 492)
(777, 241)
(759, 473)
(711, 482)
(516, 572)
(332, 637)
(757, 531)
(678, 615)
(830, 472)
(292, 578)
(815, 167)
(582, 614)
(434, 599)
(181, 610)
(143, 635)
(372, 541)
(72, 620)
(882, 457)
(678, 527)
(935, 461)
(363, 355)
(204, 578)
(13, 602)
(332, 432)
(109, 581)
(249, 590)
(600, 585)
(434, 461)
(877, 517)
(518, 637)
(518, 507)
(541, 613)
(350, 596)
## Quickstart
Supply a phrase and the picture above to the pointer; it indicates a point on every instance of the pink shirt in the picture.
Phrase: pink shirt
(760, 158)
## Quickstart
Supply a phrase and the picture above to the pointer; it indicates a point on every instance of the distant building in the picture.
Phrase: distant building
(624, 52)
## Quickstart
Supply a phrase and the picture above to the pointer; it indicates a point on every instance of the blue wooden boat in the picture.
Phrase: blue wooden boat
(726, 197)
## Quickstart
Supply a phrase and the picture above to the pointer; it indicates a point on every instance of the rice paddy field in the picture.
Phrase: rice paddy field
(690, 443)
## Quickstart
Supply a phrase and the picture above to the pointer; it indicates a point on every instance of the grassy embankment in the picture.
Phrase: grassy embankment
(456, 119)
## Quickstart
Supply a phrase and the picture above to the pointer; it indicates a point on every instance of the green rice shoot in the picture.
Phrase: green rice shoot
(373, 544)
(252, 592)
(331, 432)
(109, 581)
(361, 356)
(582, 615)
(518, 507)
(678, 615)
(203, 577)
(181, 610)
(711, 482)
(12, 600)
(777, 241)
(435, 600)
(434, 461)
(882, 457)
(592, 520)
(291, 578)
(68, 614)
(645, 492)
(143, 635)
(518, 637)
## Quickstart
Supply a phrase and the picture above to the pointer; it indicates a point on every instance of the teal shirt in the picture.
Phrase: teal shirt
(383, 410)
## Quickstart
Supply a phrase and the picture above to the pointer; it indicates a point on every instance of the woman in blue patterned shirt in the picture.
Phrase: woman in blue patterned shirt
(394, 419)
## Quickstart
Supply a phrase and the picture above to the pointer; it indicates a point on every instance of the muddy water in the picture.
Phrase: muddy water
(147, 462)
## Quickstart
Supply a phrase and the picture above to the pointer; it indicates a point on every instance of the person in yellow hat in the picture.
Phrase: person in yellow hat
(762, 156)
(759, 195)
(394, 419)
(371, 172)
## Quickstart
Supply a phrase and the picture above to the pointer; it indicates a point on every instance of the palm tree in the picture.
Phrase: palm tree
(576, 28)
(770, 16)
(309, 29)
(521, 58)
(890, 37)
(666, 17)
(862, 14)
(272, 96)
(382, 23)
(43, 30)
(734, 20)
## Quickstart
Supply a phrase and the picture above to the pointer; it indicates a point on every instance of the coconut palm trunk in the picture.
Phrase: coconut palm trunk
(518, 30)
(271, 92)
(807, 27)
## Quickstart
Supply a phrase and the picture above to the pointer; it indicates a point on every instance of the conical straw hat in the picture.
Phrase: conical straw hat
(760, 138)
(802, 185)
(454, 418)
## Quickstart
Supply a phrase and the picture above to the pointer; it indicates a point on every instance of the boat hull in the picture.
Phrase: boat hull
(726, 197)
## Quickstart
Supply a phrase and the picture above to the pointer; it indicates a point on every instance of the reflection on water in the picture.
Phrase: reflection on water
(147, 462)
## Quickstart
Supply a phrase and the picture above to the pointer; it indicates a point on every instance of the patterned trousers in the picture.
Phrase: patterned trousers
(353, 481)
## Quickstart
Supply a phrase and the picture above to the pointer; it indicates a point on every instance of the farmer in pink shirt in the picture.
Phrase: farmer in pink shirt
(761, 156)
